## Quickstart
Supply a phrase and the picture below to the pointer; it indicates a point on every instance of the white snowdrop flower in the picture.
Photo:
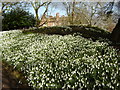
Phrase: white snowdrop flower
(60, 45)
(118, 84)
(52, 85)
(70, 78)
(103, 84)
(52, 80)
(68, 86)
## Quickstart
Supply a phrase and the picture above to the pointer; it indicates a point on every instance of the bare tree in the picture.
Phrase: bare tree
(36, 6)
(82, 12)
(70, 10)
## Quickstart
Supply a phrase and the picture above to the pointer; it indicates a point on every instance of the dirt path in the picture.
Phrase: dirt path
(10, 82)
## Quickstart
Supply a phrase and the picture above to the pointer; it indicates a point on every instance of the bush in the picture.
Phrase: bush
(17, 19)
(59, 30)
(86, 31)
(62, 62)
(91, 32)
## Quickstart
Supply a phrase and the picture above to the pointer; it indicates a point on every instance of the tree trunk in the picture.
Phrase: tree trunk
(37, 18)
(115, 35)
(73, 13)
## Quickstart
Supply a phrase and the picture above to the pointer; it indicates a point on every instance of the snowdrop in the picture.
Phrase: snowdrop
(61, 61)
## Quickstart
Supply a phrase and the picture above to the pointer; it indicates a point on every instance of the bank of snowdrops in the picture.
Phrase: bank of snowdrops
(54, 61)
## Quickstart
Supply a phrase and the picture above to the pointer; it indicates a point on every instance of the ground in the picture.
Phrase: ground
(9, 81)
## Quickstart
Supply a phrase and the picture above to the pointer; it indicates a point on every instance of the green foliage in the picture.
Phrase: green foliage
(60, 30)
(115, 35)
(91, 32)
(64, 62)
(94, 33)
(17, 19)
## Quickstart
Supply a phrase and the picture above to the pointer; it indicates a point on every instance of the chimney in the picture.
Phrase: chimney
(57, 16)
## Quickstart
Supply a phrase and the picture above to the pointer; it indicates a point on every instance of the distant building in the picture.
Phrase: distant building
(52, 21)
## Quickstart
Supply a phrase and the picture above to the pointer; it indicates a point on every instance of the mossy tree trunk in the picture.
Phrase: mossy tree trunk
(115, 35)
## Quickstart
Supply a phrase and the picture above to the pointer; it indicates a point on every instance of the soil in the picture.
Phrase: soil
(9, 80)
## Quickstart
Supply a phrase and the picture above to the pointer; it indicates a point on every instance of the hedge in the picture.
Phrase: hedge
(94, 33)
